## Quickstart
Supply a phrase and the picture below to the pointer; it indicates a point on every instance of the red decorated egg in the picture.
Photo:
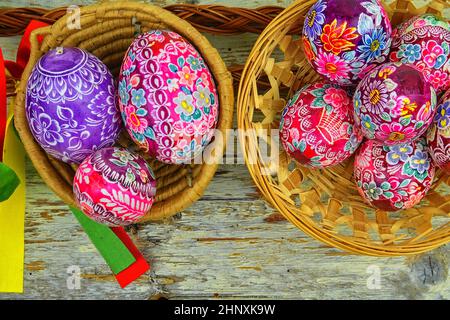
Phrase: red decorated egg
(424, 41)
(439, 135)
(167, 96)
(316, 126)
(344, 39)
(114, 186)
(392, 178)
(394, 104)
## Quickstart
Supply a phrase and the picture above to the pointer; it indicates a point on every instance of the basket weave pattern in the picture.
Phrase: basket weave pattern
(325, 203)
(107, 30)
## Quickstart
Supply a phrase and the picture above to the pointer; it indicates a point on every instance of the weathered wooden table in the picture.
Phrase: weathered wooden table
(230, 244)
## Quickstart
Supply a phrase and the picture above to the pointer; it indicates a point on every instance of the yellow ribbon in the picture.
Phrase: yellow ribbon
(12, 215)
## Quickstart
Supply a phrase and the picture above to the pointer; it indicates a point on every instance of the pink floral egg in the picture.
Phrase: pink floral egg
(114, 186)
(425, 42)
(439, 135)
(344, 39)
(393, 178)
(316, 126)
(167, 96)
(394, 104)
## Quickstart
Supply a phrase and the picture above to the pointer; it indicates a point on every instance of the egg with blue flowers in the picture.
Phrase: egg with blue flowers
(168, 97)
(344, 39)
(392, 178)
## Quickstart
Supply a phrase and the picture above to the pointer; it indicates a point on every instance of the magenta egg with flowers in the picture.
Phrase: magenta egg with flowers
(394, 104)
(393, 178)
(168, 97)
(114, 186)
(424, 41)
(344, 39)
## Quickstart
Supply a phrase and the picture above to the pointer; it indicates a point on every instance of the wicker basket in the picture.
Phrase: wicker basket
(324, 203)
(107, 31)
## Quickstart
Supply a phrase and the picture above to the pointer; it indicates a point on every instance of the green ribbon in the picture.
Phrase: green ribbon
(113, 250)
(9, 181)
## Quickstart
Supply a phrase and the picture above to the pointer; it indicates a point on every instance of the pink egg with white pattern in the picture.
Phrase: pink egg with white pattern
(114, 186)
(167, 96)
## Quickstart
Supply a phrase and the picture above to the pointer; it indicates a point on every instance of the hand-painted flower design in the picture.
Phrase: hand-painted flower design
(438, 78)
(315, 19)
(434, 55)
(307, 48)
(336, 97)
(202, 97)
(368, 126)
(373, 44)
(336, 39)
(47, 129)
(372, 190)
(386, 71)
(187, 77)
(184, 104)
(442, 116)
(123, 155)
(392, 133)
(398, 153)
(405, 106)
(420, 161)
(409, 53)
(195, 63)
(135, 123)
(123, 92)
(413, 200)
(331, 66)
(375, 96)
(138, 97)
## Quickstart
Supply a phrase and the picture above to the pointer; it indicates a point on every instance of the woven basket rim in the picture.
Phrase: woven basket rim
(254, 68)
(56, 174)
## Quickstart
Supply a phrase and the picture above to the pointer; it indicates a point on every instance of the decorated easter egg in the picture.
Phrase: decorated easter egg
(317, 128)
(168, 98)
(70, 104)
(114, 186)
(344, 39)
(438, 135)
(425, 42)
(392, 178)
(394, 104)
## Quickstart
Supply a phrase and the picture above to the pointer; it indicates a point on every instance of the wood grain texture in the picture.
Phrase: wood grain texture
(230, 244)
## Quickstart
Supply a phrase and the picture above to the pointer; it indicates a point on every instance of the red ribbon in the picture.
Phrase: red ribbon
(3, 104)
(23, 52)
(138, 268)
(16, 69)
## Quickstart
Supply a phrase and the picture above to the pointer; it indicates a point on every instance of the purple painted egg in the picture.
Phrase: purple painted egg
(394, 104)
(114, 186)
(70, 104)
(317, 128)
(344, 39)
(425, 42)
(167, 96)
(438, 136)
(393, 178)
